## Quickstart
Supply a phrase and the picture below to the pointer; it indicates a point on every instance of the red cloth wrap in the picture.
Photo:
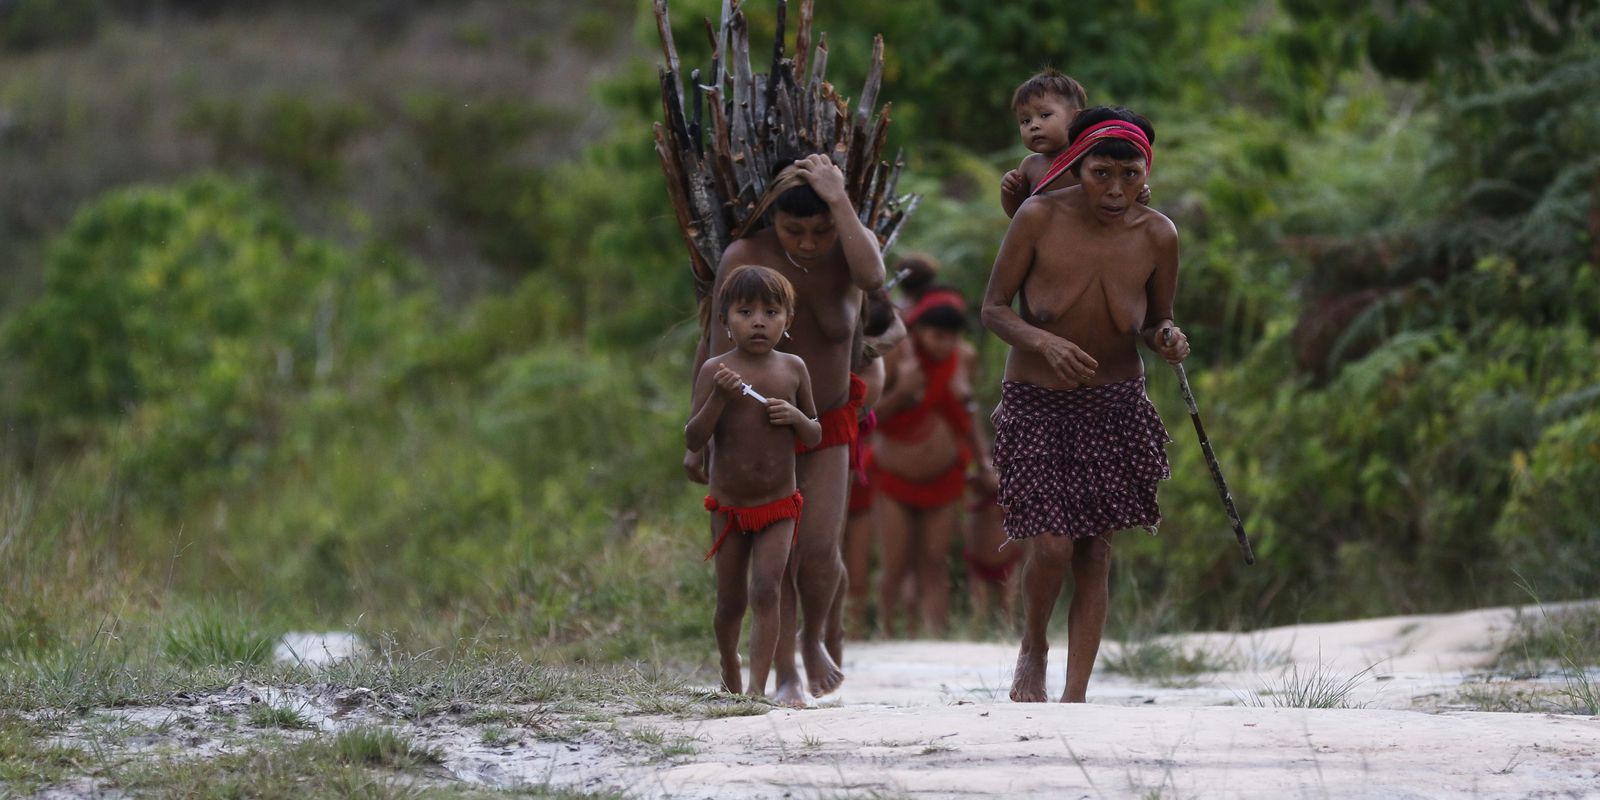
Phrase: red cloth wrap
(940, 491)
(755, 518)
(839, 425)
(907, 425)
(1110, 129)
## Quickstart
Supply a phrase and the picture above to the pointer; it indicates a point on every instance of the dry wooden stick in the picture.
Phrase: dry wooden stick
(718, 161)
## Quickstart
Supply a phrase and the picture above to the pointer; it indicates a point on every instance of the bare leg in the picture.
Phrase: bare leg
(833, 631)
(1043, 572)
(732, 561)
(933, 568)
(851, 609)
(769, 567)
(894, 532)
(789, 691)
(819, 566)
(1086, 617)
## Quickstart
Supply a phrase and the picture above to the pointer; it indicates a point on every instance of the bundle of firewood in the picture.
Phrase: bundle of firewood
(718, 168)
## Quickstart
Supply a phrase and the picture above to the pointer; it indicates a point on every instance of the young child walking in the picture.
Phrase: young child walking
(1045, 105)
(752, 404)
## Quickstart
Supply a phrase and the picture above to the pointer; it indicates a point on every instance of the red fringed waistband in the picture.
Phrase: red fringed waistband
(755, 518)
(839, 425)
(937, 492)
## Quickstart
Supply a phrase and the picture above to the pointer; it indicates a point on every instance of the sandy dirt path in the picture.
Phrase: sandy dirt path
(931, 720)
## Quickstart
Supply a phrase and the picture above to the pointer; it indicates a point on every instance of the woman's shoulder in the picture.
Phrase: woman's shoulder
(1158, 226)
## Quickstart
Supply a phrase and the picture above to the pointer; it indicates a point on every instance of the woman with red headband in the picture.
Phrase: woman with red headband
(925, 443)
(1079, 446)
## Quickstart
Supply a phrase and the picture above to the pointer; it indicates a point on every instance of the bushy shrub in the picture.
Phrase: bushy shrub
(190, 315)
(297, 135)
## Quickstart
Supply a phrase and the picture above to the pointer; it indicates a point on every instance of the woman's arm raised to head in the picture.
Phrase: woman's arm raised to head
(860, 245)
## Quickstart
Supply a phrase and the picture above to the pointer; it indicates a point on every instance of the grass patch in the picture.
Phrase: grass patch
(1569, 636)
(1567, 639)
(722, 706)
(1316, 687)
(1164, 664)
(497, 736)
(360, 763)
(28, 764)
(214, 638)
(663, 746)
(265, 715)
(381, 747)
(1512, 698)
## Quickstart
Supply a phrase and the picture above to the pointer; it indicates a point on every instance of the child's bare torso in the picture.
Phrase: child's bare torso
(1087, 284)
(753, 459)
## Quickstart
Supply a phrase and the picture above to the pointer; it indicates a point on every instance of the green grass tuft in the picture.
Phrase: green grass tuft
(213, 638)
(27, 763)
(264, 715)
(1317, 687)
(1164, 664)
(381, 747)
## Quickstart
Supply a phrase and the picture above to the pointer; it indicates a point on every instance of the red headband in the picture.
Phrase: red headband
(938, 298)
(1097, 133)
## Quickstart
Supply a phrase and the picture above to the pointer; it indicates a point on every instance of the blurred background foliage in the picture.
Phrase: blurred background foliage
(375, 314)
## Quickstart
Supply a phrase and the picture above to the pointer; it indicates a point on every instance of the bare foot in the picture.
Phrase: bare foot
(790, 694)
(822, 674)
(732, 677)
(1068, 698)
(1027, 683)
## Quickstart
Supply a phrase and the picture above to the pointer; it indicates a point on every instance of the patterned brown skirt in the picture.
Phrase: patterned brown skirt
(1078, 462)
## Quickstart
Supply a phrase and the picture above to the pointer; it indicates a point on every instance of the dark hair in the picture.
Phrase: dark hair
(944, 318)
(923, 271)
(1050, 81)
(1118, 149)
(880, 313)
(753, 282)
(801, 201)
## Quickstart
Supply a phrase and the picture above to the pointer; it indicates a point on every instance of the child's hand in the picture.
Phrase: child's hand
(1144, 195)
(1014, 184)
(782, 412)
(728, 382)
(1175, 347)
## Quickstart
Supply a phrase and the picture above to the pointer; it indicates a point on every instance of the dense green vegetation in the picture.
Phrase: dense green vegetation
(410, 358)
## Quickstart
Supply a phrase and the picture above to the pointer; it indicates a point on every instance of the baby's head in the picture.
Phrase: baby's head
(1045, 105)
(756, 304)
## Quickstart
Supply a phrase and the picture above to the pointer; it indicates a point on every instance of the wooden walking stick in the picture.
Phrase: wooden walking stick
(1211, 457)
